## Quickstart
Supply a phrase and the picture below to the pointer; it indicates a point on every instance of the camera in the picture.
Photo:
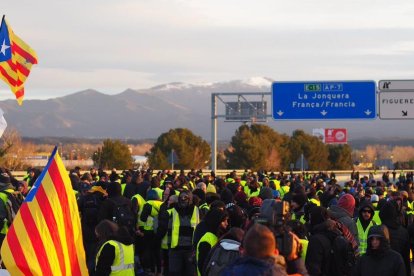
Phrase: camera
(274, 215)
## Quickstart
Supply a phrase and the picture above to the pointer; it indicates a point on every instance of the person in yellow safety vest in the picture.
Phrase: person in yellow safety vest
(170, 200)
(211, 188)
(230, 178)
(284, 188)
(374, 202)
(276, 183)
(155, 185)
(151, 259)
(364, 222)
(5, 187)
(202, 205)
(298, 207)
(216, 225)
(116, 252)
(126, 179)
(183, 219)
(313, 197)
(252, 189)
(299, 229)
(137, 205)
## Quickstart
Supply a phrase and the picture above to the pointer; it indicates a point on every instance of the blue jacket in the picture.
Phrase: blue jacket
(253, 266)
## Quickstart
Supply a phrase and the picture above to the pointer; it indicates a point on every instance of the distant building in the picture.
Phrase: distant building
(140, 161)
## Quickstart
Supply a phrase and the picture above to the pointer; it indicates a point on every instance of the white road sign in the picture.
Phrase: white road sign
(396, 105)
(396, 85)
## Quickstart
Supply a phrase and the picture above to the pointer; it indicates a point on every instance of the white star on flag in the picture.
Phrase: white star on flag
(4, 47)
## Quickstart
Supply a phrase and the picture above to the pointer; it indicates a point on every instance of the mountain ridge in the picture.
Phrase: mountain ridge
(147, 113)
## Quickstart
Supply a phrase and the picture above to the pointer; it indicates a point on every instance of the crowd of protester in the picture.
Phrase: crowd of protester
(144, 222)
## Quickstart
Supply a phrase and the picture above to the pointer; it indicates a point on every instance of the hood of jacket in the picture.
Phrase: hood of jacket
(380, 232)
(389, 214)
(5, 186)
(366, 204)
(337, 212)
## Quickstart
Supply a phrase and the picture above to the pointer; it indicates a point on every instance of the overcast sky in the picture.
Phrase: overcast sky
(111, 45)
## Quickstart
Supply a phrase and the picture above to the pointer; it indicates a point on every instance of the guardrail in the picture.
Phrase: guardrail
(340, 175)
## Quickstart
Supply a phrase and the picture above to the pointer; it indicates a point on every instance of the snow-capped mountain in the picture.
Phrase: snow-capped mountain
(147, 113)
(142, 113)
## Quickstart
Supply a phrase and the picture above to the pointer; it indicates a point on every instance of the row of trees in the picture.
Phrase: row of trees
(254, 147)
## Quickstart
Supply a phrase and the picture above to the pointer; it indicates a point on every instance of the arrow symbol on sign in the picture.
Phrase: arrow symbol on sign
(404, 113)
(367, 112)
(324, 112)
(280, 113)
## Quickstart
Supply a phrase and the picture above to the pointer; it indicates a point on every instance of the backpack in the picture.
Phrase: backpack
(12, 205)
(342, 256)
(220, 257)
(123, 215)
(90, 209)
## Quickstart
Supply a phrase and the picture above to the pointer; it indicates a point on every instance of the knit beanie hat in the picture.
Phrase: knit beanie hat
(213, 219)
(347, 202)
(266, 193)
(255, 201)
(226, 196)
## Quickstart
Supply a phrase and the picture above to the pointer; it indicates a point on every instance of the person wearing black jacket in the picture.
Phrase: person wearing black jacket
(380, 259)
(216, 224)
(399, 238)
(318, 254)
(106, 211)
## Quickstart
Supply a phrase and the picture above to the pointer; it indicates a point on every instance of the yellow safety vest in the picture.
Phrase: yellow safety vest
(123, 185)
(315, 201)
(141, 203)
(277, 183)
(124, 258)
(3, 197)
(166, 239)
(204, 206)
(243, 183)
(284, 190)
(191, 184)
(159, 192)
(376, 218)
(175, 234)
(155, 209)
(249, 193)
(363, 236)
(304, 244)
(301, 218)
(209, 238)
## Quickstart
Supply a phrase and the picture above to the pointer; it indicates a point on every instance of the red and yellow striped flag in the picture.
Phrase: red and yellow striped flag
(45, 237)
(16, 60)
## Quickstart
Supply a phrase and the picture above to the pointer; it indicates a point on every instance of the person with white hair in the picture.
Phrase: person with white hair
(202, 186)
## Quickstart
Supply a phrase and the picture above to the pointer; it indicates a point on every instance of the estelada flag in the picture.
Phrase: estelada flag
(45, 237)
(16, 60)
